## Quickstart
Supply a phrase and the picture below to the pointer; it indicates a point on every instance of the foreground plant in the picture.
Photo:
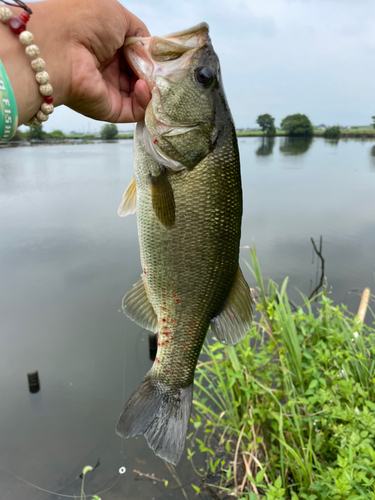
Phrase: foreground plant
(85, 470)
(290, 412)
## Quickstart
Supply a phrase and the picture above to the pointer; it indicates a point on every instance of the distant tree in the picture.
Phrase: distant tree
(297, 125)
(57, 134)
(19, 136)
(36, 134)
(108, 131)
(373, 119)
(333, 132)
(267, 124)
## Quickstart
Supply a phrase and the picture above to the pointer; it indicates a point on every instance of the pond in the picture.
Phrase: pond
(67, 259)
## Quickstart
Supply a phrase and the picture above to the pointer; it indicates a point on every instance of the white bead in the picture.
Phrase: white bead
(34, 121)
(5, 14)
(32, 51)
(41, 116)
(46, 90)
(38, 64)
(47, 108)
(26, 38)
(42, 77)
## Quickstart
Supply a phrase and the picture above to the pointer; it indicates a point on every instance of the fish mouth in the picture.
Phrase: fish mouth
(188, 36)
(169, 55)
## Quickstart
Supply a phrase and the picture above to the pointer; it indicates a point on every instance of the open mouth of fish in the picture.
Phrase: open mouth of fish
(169, 57)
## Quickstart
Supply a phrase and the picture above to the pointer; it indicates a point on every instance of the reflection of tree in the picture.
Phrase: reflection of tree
(372, 154)
(332, 142)
(295, 145)
(266, 147)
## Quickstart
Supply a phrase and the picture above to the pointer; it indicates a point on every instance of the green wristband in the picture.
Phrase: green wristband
(8, 107)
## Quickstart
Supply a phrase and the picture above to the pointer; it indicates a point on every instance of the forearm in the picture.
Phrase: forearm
(46, 26)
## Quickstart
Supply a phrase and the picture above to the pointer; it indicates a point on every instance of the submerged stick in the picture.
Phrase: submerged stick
(363, 305)
(148, 476)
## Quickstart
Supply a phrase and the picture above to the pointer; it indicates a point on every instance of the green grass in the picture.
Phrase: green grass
(343, 133)
(259, 133)
(289, 413)
(249, 133)
(359, 132)
(124, 136)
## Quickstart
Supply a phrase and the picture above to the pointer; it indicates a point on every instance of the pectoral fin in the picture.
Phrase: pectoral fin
(137, 306)
(162, 198)
(234, 321)
(128, 202)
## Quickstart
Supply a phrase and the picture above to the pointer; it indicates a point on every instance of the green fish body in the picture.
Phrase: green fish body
(188, 198)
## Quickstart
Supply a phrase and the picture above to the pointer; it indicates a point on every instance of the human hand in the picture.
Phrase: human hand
(81, 42)
(102, 87)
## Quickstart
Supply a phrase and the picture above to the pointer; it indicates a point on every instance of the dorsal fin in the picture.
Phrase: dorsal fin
(128, 203)
(137, 306)
(233, 323)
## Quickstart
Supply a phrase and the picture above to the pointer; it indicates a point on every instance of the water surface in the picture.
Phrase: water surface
(67, 259)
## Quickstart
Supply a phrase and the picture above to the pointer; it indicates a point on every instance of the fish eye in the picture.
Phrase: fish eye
(204, 76)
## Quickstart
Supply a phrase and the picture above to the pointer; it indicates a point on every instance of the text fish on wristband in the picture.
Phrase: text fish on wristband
(17, 24)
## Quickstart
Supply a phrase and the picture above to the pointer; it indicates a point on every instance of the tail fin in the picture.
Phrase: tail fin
(162, 414)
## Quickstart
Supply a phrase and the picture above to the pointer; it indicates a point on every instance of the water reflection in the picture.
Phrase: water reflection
(332, 142)
(266, 147)
(68, 271)
(372, 158)
(295, 145)
(372, 154)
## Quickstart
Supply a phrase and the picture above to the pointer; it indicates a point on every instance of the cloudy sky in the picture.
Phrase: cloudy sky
(278, 56)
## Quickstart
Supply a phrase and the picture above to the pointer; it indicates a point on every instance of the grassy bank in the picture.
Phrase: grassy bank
(344, 134)
(49, 139)
(289, 413)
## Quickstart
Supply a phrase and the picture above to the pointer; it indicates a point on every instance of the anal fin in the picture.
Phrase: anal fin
(234, 321)
(128, 203)
(162, 197)
(137, 306)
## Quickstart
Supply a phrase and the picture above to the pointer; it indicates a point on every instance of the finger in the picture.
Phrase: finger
(131, 110)
(135, 26)
(125, 83)
(142, 93)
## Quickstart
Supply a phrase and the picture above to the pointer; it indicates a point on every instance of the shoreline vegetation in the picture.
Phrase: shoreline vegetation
(297, 125)
(361, 133)
(288, 413)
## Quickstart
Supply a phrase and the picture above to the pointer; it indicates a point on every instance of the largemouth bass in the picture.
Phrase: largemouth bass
(188, 198)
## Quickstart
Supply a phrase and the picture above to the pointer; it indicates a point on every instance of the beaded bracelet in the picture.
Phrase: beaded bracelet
(17, 24)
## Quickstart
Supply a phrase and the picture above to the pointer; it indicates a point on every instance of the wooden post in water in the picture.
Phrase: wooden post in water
(363, 305)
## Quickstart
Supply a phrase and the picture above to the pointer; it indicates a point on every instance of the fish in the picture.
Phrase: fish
(187, 194)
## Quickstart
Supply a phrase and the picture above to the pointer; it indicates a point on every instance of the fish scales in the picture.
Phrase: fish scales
(187, 194)
(190, 267)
